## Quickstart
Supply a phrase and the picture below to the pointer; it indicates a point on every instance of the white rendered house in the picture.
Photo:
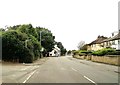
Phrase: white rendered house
(55, 52)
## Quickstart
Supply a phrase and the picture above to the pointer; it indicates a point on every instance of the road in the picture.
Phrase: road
(61, 70)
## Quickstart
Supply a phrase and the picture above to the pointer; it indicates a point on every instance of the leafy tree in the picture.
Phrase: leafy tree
(12, 45)
(63, 50)
(22, 43)
(28, 29)
(69, 52)
(2, 30)
(47, 39)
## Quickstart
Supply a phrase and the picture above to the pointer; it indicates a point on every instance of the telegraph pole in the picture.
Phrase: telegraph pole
(40, 44)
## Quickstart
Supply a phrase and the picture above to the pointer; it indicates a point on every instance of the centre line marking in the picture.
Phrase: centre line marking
(74, 69)
(89, 79)
(29, 76)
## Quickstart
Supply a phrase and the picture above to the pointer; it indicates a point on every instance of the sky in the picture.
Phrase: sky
(71, 21)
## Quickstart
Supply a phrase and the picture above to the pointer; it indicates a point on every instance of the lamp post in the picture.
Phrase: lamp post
(26, 43)
(40, 43)
(42, 49)
(40, 38)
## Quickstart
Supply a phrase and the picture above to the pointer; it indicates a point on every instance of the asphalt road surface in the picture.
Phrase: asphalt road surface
(60, 70)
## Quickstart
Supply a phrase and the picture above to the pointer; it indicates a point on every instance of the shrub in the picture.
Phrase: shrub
(103, 52)
(85, 51)
(82, 52)
(76, 52)
(13, 47)
(114, 53)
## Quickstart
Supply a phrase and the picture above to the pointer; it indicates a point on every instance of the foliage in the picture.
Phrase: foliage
(28, 29)
(63, 50)
(69, 52)
(76, 52)
(117, 52)
(47, 38)
(103, 52)
(2, 30)
(22, 43)
(19, 44)
(12, 45)
(81, 52)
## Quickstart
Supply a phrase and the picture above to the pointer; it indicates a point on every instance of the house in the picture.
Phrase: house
(55, 52)
(104, 42)
(96, 44)
(113, 42)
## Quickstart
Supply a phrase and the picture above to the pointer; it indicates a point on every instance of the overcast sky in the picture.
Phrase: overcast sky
(69, 20)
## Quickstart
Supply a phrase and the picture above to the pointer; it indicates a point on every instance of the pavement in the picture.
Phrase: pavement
(17, 72)
(60, 70)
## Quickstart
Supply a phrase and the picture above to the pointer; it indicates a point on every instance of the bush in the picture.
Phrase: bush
(76, 52)
(103, 52)
(85, 51)
(13, 47)
(82, 52)
(114, 53)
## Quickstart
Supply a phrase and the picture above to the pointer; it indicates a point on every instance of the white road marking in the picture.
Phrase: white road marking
(89, 79)
(29, 76)
(74, 69)
(29, 67)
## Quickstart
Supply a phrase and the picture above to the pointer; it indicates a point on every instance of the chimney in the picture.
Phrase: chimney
(112, 34)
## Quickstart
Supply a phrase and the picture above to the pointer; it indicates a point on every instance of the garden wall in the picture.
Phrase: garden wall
(114, 60)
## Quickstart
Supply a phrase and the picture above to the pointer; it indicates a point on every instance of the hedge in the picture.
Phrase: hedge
(105, 51)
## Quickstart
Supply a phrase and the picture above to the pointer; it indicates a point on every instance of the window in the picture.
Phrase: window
(113, 42)
(119, 41)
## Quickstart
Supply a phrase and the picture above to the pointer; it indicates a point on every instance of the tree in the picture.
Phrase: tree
(63, 50)
(47, 38)
(84, 47)
(14, 41)
(81, 44)
(13, 45)
(69, 52)
(2, 30)
(22, 43)
(28, 29)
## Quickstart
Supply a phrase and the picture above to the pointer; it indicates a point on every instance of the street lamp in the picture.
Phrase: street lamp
(40, 38)
(40, 44)
(26, 42)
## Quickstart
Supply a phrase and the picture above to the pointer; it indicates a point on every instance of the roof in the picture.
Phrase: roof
(105, 40)
(98, 40)
(116, 37)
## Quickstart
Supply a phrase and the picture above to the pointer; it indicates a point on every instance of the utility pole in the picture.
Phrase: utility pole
(26, 43)
(40, 38)
(119, 23)
(40, 43)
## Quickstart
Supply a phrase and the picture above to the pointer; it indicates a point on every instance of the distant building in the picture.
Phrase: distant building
(104, 42)
(96, 44)
(113, 42)
(55, 52)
